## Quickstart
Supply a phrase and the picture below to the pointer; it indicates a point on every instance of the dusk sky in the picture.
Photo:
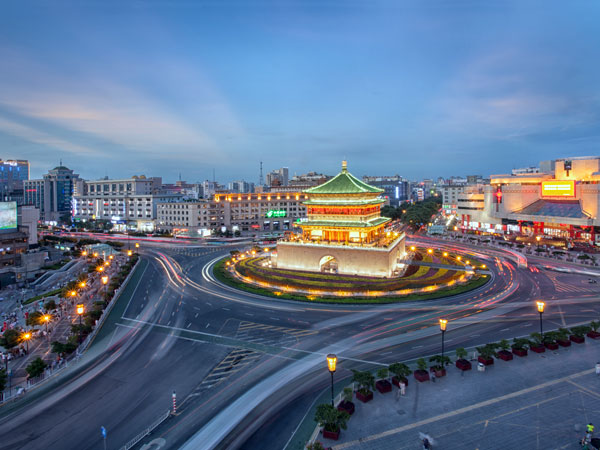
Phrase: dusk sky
(419, 89)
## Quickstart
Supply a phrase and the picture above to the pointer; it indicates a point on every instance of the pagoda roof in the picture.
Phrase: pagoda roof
(344, 183)
(342, 223)
(344, 201)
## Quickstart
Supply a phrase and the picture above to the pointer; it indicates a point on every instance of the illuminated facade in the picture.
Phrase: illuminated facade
(343, 231)
(561, 200)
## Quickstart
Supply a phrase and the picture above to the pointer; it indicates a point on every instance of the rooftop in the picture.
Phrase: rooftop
(344, 183)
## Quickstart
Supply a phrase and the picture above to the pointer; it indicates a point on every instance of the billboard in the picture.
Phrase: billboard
(558, 188)
(8, 215)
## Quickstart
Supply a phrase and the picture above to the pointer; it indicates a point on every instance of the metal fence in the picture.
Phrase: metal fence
(146, 431)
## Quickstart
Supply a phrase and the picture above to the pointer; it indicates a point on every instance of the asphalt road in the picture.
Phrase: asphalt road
(245, 369)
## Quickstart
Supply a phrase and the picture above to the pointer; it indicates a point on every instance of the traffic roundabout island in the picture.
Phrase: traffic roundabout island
(430, 275)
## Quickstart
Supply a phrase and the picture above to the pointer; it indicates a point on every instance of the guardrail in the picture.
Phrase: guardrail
(146, 431)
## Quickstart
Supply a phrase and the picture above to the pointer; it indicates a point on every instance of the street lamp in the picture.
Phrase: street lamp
(443, 324)
(80, 311)
(107, 263)
(538, 238)
(540, 308)
(82, 284)
(100, 269)
(26, 337)
(46, 318)
(331, 363)
(129, 252)
(430, 251)
(73, 293)
(84, 253)
(111, 257)
(105, 282)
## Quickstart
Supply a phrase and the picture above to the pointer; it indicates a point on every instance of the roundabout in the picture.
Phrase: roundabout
(429, 274)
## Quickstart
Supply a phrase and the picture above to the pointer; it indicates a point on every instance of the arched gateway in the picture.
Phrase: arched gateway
(328, 264)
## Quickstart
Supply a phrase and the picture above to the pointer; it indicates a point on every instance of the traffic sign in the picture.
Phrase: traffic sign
(103, 431)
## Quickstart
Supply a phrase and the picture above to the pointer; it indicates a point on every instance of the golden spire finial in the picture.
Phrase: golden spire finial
(344, 166)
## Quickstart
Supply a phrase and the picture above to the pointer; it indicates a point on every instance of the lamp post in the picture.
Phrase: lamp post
(80, 311)
(540, 308)
(443, 324)
(538, 238)
(26, 337)
(331, 363)
(46, 319)
(129, 252)
(105, 282)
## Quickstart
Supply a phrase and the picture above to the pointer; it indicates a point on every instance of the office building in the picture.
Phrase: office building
(52, 194)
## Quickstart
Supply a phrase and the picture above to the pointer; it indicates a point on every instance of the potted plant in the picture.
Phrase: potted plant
(519, 346)
(346, 404)
(486, 353)
(594, 334)
(366, 382)
(578, 334)
(383, 385)
(461, 362)
(549, 340)
(504, 354)
(562, 337)
(401, 371)
(315, 446)
(421, 373)
(537, 343)
(331, 420)
(439, 368)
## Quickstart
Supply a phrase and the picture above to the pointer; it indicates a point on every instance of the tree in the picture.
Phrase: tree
(461, 353)
(365, 380)
(504, 345)
(36, 367)
(521, 343)
(50, 305)
(34, 318)
(594, 325)
(10, 339)
(537, 339)
(422, 364)
(330, 418)
(440, 361)
(580, 331)
(348, 394)
(383, 373)
(401, 370)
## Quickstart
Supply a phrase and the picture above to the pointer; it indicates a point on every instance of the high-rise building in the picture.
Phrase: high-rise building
(12, 175)
(52, 194)
(279, 177)
(395, 188)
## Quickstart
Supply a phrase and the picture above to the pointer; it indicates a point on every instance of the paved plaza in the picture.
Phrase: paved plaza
(537, 402)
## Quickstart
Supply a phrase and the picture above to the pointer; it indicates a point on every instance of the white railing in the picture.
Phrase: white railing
(146, 431)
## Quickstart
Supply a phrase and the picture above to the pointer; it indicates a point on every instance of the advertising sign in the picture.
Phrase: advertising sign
(8, 215)
(275, 213)
(558, 188)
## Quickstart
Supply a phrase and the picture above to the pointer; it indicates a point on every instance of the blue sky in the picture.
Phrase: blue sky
(421, 89)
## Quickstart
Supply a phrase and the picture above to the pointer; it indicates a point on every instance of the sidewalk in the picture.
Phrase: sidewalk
(542, 401)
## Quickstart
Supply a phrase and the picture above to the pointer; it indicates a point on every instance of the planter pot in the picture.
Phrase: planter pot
(334, 435)
(396, 381)
(463, 364)
(421, 375)
(438, 372)
(551, 346)
(505, 355)
(565, 343)
(593, 334)
(577, 339)
(346, 406)
(383, 386)
(364, 397)
(538, 349)
(485, 362)
(520, 351)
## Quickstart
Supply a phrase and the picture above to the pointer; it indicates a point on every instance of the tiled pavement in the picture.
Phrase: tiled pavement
(536, 402)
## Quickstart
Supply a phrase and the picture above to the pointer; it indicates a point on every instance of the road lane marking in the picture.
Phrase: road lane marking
(189, 325)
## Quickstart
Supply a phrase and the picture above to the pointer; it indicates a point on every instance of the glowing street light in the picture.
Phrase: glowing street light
(111, 257)
(445, 253)
(46, 318)
(331, 364)
(84, 253)
(105, 283)
(80, 310)
(96, 255)
(443, 324)
(100, 269)
(430, 251)
(137, 245)
(540, 307)
(26, 337)
(82, 284)
(412, 248)
(458, 258)
(73, 293)
(129, 252)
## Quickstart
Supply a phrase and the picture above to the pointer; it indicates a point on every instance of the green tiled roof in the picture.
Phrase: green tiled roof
(341, 223)
(344, 183)
(345, 201)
